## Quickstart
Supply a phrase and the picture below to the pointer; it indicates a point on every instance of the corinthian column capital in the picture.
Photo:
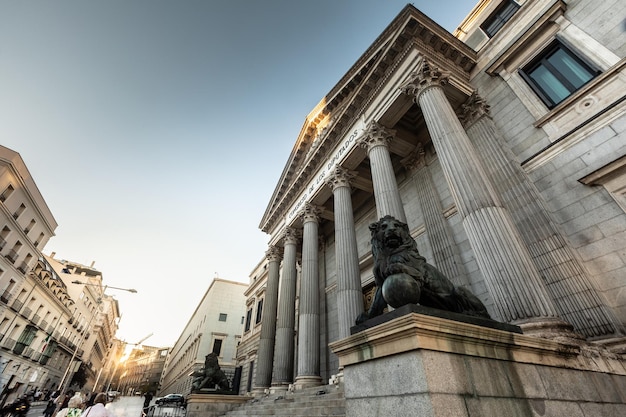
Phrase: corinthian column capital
(375, 135)
(473, 109)
(273, 254)
(423, 78)
(290, 236)
(311, 213)
(340, 177)
(415, 160)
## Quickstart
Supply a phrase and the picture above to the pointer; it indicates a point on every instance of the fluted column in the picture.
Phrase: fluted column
(265, 355)
(309, 315)
(375, 140)
(574, 297)
(349, 292)
(445, 251)
(284, 349)
(518, 292)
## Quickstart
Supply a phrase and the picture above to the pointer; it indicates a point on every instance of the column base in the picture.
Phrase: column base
(307, 381)
(280, 388)
(552, 328)
(259, 391)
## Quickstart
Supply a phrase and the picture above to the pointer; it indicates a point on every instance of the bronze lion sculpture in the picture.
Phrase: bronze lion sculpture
(403, 276)
(210, 376)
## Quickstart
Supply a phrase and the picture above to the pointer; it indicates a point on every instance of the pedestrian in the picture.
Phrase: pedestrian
(148, 398)
(50, 408)
(98, 409)
(73, 409)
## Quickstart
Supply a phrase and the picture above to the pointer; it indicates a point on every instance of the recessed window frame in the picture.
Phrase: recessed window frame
(259, 311)
(543, 60)
(496, 20)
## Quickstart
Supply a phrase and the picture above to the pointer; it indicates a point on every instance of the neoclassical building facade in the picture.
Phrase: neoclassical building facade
(503, 148)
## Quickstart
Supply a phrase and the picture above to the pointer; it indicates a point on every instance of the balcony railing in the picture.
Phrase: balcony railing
(17, 305)
(28, 352)
(36, 356)
(23, 267)
(11, 256)
(3, 243)
(26, 312)
(8, 343)
(43, 325)
(5, 297)
(35, 319)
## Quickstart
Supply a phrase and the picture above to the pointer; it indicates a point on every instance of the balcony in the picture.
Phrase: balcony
(26, 312)
(11, 256)
(5, 297)
(8, 343)
(23, 268)
(35, 319)
(3, 243)
(28, 352)
(43, 325)
(17, 305)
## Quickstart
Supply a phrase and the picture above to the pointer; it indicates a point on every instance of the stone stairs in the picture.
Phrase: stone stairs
(319, 401)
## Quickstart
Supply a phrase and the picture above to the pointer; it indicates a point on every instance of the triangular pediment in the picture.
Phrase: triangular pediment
(328, 122)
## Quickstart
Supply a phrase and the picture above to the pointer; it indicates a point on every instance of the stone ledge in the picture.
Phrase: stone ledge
(413, 331)
(427, 311)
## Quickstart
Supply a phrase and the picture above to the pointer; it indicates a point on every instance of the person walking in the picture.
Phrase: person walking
(73, 409)
(98, 409)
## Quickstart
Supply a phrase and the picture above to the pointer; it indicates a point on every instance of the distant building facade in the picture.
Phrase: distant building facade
(215, 326)
(141, 371)
(502, 146)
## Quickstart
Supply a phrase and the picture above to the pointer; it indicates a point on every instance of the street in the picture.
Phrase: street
(122, 407)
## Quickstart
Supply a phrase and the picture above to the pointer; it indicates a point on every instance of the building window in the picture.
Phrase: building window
(248, 319)
(217, 346)
(6, 193)
(499, 17)
(259, 311)
(222, 317)
(19, 211)
(557, 73)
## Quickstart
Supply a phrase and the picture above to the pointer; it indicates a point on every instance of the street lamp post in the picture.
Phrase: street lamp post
(65, 378)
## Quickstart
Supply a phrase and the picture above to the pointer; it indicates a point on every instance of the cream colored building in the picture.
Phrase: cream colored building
(95, 316)
(215, 326)
(48, 326)
(503, 148)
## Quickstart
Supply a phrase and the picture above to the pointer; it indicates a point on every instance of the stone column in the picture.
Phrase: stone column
(349, 292)
(265, 355)
(284, 349)
(309, 314)
(445, 251)
(376, 139)
(574, 297)
(518, 292)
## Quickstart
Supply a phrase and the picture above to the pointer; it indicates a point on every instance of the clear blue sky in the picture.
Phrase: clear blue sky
(157, 130)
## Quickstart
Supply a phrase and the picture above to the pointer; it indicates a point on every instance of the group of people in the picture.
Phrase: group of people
(73, 404)
(18, 408)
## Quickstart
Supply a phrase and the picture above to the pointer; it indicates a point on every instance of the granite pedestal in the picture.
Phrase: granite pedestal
(421, 364)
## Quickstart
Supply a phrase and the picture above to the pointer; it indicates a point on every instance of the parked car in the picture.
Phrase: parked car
(171, 399)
